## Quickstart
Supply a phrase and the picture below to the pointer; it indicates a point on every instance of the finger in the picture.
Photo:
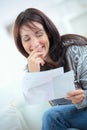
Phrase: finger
(76, 92)
(35, 55)
(76, 98)
(40, 61)
(34, 64)
(37, 49)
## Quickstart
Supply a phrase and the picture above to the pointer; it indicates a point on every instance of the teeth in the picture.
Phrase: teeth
(40, 47)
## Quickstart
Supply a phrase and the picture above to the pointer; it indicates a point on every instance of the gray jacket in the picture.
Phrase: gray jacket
(77, 60)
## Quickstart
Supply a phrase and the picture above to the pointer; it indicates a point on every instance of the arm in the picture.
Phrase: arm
(79, 97)
(82, 77)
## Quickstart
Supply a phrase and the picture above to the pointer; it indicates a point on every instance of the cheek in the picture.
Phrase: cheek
(26, 47)
(45, 42)
(47, 45)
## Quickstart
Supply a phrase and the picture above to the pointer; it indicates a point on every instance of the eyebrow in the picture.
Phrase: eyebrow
(39, 30)
(22, 36)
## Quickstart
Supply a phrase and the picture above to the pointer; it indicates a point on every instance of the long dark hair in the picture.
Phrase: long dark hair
(30, 15)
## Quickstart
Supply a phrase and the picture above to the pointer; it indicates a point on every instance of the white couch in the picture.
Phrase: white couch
(15, 112)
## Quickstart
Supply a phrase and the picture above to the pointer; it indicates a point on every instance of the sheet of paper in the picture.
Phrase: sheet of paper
(63, 84)
(38, 78)
(48, 85)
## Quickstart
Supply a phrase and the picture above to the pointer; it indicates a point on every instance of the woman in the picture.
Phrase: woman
(37, 38)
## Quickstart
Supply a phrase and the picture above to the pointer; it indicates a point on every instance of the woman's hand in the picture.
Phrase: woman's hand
(35, 60)
(76, 96)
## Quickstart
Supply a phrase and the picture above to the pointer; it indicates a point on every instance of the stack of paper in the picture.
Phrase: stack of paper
(39, 87)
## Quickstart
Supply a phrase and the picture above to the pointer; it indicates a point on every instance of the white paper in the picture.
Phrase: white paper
(44, 86)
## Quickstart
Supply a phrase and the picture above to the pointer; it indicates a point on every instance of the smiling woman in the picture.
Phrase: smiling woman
(38, 39)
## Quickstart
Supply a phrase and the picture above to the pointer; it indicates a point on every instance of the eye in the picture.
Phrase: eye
(39, 33)
(26, 38)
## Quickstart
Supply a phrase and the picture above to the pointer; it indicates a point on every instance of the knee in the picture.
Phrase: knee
(51, 114)
(47, 115)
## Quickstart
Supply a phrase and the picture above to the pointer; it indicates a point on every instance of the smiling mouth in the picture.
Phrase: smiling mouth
(40, 48)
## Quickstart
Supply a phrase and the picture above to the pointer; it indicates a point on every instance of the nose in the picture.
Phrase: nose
(34, 43)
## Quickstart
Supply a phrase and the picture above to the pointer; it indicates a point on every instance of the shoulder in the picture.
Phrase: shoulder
(77, 49)
(73, 44)
(75, 52)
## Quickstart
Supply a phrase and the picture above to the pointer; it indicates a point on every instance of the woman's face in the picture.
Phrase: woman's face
(34, 37)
